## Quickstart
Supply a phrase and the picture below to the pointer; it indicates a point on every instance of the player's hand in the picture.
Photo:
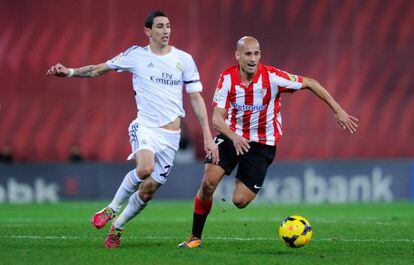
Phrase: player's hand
(346, 121)
(58, 70)
(241, 144)
(211, 150)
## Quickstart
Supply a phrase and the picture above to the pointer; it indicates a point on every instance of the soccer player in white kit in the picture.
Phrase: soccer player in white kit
(159, 73)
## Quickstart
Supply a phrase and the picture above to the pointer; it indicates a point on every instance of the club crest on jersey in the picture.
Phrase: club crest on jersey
(292, 78)
(179, 67)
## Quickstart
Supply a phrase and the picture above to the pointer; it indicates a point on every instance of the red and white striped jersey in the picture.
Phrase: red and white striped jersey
(254, 110)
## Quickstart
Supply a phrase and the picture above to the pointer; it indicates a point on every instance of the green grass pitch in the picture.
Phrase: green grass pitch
(343, 234)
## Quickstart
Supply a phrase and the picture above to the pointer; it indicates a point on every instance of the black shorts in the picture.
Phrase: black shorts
(252, 165)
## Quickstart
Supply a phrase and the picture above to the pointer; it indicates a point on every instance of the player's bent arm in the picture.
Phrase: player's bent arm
(344, 119)
(219, 122)
(200, 111)
(322, 93)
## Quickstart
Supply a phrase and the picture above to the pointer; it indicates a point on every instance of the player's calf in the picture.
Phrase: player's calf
(207, 189)
(148, 189)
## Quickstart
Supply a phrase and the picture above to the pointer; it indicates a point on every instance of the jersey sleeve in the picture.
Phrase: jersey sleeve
(287, 82)
(124, 61)
(191, 77)
(221, 97)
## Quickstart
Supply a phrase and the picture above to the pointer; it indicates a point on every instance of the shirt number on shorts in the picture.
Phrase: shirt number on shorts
(166, 173)
(218, 141)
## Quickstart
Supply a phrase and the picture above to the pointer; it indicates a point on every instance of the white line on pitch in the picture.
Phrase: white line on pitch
(368, 221)
(212, 238)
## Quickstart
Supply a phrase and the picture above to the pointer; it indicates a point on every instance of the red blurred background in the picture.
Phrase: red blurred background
(362, 51)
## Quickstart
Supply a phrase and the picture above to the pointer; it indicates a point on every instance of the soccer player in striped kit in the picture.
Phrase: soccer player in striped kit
(159, 73)
(247, 116)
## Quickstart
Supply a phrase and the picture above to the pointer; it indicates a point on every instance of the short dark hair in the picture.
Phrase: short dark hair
(150, 18)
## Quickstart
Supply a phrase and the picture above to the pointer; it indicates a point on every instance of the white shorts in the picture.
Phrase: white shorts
(162, 142)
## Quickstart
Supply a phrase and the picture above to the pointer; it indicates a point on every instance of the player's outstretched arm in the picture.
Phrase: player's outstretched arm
(200, 111)
(346, 121)
(85, 71)
(219, 122)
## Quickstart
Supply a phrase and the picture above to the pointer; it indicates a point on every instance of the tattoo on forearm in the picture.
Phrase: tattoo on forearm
(200, 118)
(86, 71)
(200, 111)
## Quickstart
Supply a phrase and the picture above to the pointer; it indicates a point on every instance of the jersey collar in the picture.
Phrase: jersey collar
(255, 77)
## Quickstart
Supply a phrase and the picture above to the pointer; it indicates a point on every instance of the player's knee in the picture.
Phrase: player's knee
(145, 171)
(240, 202)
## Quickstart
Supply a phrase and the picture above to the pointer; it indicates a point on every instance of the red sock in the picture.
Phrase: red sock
(202, 207)
(201, 211)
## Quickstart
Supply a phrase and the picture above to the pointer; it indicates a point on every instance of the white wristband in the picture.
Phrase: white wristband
(71, 72)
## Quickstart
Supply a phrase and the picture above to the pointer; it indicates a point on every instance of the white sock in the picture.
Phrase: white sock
(134, 207)
(128, 186)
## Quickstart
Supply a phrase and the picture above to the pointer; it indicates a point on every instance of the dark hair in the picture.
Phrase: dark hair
(150, 18)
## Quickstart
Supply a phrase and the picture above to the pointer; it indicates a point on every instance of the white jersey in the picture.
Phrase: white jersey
(158, 82)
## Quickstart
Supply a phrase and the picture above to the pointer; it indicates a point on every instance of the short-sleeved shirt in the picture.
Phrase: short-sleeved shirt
(254, 110)
(158, 82)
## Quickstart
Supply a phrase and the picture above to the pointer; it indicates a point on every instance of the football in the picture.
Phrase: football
(295, 231)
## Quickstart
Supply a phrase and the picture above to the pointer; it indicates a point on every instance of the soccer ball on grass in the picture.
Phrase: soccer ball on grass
(295, 231)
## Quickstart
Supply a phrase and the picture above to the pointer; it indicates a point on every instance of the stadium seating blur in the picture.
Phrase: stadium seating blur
(360, 50)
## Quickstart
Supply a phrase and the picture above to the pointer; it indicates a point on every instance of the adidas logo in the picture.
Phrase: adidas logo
(150, 65)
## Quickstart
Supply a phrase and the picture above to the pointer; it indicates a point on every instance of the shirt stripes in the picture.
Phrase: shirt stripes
(253, 111)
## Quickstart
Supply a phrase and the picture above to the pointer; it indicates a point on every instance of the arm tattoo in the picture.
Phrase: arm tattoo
(200, 118)
(200, 111)
(86, 71)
